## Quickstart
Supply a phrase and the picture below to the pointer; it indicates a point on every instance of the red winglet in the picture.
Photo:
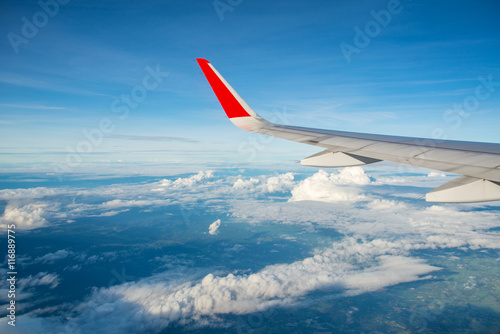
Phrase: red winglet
(228, 101)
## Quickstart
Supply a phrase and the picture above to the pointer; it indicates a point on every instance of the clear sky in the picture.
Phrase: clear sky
(405, 68)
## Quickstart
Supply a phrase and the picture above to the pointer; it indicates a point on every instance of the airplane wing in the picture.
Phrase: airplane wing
(479, 163)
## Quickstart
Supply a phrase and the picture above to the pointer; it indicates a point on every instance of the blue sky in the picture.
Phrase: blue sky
(283, 57)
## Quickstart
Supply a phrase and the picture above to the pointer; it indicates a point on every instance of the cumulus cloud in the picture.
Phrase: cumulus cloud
(247, 185)
(273, 184)
(327, 187)
(213, 228)
(280, 183)
(351, 175)
(27, 216)
(189, 181)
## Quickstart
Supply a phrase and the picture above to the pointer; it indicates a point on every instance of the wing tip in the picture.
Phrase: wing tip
(202, 61)
(237, 110)
(231, 102)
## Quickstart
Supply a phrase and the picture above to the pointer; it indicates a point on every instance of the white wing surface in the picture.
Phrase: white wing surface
(479, 163)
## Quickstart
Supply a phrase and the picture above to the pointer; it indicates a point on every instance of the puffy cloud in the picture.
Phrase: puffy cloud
(189, 181)
(325, 187)
(321, 182)
(350, 175)
(27, 216)
(213, 228)
(248, 185)
(280, 183)
(265, 185)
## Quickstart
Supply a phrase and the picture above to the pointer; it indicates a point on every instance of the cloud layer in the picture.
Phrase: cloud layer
(380, 235)
(349, 268)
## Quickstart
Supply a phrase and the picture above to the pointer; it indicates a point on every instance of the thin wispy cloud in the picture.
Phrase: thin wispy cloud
(28, 106)
(154, 138)
(25, 81)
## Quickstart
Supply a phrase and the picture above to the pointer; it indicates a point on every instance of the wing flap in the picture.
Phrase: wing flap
(465, 190)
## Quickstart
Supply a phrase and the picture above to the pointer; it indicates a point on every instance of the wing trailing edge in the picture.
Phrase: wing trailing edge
(328, 158)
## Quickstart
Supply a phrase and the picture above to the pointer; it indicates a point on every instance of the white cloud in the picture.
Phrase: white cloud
(53, 257)
(349, 267)
(43, 278)
(327, 187)
(351, 175)
(27, 216)
(386, 204)
(248, 185)
(119, 203)
(213, 228)
(111, 213)
(436, 174)
(39, 192)
(415, 226)
(189, 181)
(26, 289)
(381, 234)
(280, 183)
